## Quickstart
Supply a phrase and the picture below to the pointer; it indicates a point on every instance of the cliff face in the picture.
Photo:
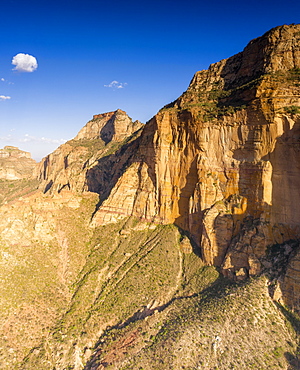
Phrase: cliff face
(111, 126)
(15, 164)
(222, 161)
(73, 165)
(120, 242)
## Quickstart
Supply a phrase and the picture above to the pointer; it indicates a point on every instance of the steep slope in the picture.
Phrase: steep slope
(15, 164)
(45, 236)
(222, 161)
(223, 327)
(74, 164)
(17, 173)
(120, 258)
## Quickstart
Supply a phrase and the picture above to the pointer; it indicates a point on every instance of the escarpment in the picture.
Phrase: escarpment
(222, 161)
(73, 165)
(134, 245)
(15, 164)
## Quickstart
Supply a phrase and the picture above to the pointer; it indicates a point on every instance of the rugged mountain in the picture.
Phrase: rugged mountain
(170, 245)
(15, 164)
(85, 163)
(17, 173)
(222, 161)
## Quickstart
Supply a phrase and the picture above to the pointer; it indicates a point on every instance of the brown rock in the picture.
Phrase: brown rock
(290, 284)
(72, 165)
(16, 164)
(111, 126)
(222, 161)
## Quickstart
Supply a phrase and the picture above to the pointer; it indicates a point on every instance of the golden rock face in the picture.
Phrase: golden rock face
(15, 164)
(222, 162)
(101, 288)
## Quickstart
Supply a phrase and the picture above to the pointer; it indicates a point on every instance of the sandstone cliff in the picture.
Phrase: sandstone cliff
(222, 161)
(122, 244)
(73, 165)
(15, 164)
(111, 126)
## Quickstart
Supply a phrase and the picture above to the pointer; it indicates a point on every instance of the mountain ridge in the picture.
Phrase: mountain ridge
(136, 236)
(15, 164)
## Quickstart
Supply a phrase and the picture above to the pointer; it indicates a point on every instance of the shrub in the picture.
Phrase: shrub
(292, 109)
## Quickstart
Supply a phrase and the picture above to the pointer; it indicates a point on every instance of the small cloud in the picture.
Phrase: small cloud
(24, 63)
(116, 85)
(29, 138)
(4, 80)
(6, 138)
(3, 97)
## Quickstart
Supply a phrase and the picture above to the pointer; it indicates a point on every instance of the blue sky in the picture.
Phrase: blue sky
(152, 49)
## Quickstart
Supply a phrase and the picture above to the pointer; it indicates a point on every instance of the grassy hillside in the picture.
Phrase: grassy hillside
(130, 266)
(13, 189)
(144, 300)
(226, 326)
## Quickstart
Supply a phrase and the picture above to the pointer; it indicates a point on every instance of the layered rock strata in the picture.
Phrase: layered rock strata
(222, 161)
(15, 164)
(86, 162)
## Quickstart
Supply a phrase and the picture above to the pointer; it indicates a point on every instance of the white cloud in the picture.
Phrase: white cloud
(6, 138)
(24, 63)
(4, 80)
(3, 97)
(29, 138)
(116, 85)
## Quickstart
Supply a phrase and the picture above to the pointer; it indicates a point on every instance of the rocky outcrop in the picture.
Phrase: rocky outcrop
(221, 161)
(16, 164)
(111, 126)
(222, 164)
(72, 165)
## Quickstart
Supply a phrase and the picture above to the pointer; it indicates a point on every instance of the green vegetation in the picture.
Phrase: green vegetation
(138, 302)
(125, 271)
(132, 294)
(227, 326)
(294, 74)
(221, 101)
(217, 102)
(145, 304)
(36, 277)
(292, 109)
(13, 189)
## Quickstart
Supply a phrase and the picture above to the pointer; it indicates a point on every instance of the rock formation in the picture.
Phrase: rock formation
(72, 165)
(112, 126)
(123, 242)
(15, 164)
(222, 161)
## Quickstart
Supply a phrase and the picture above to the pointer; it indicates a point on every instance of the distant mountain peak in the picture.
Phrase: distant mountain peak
(110, 126)
(16, 164)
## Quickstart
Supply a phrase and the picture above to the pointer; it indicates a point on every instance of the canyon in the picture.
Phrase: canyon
(166, 245)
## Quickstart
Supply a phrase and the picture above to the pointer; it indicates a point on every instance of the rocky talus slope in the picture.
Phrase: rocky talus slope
(170, 245)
